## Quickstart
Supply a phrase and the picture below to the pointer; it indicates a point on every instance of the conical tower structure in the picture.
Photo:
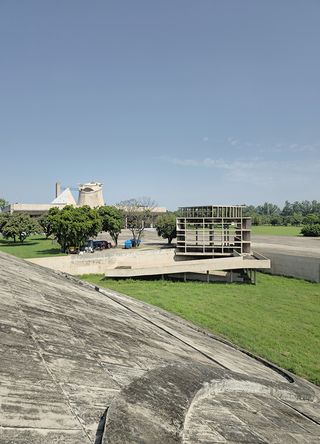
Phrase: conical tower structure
(91, 194)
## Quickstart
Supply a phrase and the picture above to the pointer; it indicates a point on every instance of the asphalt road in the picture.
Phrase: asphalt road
(306, 246)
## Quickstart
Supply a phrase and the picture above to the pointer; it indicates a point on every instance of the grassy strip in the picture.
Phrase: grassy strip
(33, 246)
(277, 319)
(276, 230)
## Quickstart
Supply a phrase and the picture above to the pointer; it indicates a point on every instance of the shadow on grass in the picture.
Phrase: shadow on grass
(4, 243)
(172, 279)
(53, 251)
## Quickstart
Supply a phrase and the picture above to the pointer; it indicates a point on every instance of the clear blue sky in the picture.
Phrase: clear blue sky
(185, 101)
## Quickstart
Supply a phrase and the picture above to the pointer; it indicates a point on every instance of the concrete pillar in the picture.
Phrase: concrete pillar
(58, 189)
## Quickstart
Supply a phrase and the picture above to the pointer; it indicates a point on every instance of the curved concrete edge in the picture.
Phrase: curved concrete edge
(153, 407)
(156, 407)
(126, 299)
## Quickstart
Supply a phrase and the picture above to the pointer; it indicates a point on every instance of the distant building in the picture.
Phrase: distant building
(65, 198)
(91, 194)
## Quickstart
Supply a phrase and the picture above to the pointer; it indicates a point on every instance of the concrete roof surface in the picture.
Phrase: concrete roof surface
(70, 354)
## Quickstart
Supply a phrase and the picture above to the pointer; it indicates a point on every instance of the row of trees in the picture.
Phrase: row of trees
(72, 226)
(17, 226)
(295, 213)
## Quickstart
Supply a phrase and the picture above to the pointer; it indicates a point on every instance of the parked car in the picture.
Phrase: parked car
(73, 250)
(101, 245)
(93, 245)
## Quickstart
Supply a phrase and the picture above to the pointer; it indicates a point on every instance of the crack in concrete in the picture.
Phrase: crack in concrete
(267, 364)
(162, 329)
(39, 350)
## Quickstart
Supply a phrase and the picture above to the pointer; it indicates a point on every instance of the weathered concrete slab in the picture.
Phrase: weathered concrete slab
(68, 353)
(191, 266)
(128, 263)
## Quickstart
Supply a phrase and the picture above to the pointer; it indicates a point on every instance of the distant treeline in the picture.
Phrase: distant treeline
(293, 213)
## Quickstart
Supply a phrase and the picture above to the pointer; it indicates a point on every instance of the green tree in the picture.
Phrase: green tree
(166, 226)
(296, 219)
(19, 226)
(276, 220)
(311, 219)
(3, 220)
(3, 203)
(311, 230)
(112, 221)
(287, 209)
(45, 221)
(268, 209)
(73, 226)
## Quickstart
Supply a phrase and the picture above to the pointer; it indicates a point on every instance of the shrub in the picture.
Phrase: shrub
(311, 230)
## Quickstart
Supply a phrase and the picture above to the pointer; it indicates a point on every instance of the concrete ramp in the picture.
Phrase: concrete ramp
(192, 266)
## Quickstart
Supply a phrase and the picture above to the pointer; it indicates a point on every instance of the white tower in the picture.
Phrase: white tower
(91, 194)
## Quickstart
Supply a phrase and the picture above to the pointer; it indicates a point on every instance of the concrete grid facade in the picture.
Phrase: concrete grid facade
(213, 230)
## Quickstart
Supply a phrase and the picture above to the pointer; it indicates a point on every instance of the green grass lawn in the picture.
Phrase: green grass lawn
(278, 319)
(33, 246)
(275, 230)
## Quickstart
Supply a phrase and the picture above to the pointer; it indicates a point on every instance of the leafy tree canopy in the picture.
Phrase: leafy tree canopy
(3, 220)
(293, 213)
(18, 226)
(45, 221)
(311, 230)
(3, 203)
(112, 221)
(166, 226)
(72, 226)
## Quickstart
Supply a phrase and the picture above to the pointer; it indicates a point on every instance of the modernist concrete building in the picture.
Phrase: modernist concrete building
(89, 194)
(213, 231)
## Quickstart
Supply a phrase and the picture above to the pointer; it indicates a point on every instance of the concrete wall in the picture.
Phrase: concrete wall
(298, 266)
(124, 263)
(100, 262)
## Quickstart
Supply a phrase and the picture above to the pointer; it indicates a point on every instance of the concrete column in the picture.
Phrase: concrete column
(58, 189)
